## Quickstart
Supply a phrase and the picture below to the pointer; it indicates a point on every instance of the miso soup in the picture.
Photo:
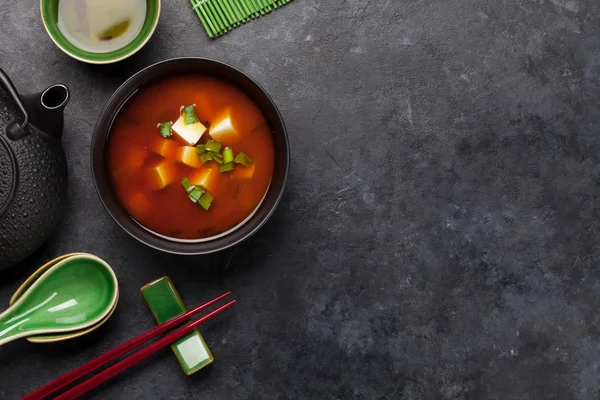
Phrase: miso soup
(101, 26)
(190, 157)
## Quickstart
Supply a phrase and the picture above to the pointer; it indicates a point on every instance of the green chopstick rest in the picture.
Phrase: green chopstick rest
(164, 302)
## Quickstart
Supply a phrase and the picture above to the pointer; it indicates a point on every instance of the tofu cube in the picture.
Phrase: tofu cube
(191, 133)
(138, 204)
(187, 155)
(165, 148)
(222, 130)
(241, 172)
(163, 175)
(207, 178)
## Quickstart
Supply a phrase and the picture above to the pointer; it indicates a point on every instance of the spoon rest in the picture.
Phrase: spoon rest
(59, 337)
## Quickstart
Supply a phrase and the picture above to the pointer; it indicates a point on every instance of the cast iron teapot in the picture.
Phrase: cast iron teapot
(33, 168)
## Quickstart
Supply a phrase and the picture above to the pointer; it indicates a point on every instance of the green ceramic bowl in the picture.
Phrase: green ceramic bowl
(49, 9)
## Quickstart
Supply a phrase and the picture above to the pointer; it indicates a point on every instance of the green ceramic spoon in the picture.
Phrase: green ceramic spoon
(74, 294)
(59, 336)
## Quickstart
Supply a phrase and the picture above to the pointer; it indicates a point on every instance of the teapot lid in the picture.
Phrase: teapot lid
(7, 175)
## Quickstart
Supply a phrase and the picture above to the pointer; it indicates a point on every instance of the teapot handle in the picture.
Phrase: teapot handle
(14, 130)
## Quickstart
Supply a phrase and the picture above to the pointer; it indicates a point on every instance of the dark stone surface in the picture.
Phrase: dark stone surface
(440, 234)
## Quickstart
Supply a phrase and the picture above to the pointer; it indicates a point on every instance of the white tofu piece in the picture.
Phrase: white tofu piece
(165, 148)
(163, 175)
(187, 155)
(241, 172)
(222, 130)
(191, 133)
(207, 178)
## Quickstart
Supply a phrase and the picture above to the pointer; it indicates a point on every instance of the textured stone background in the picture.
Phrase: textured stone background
(440, 234)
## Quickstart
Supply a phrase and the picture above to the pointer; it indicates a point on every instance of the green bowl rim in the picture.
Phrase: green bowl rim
(107, 61)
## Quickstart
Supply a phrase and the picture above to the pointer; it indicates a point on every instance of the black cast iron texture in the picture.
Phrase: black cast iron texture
(440, 235)
(34, 186)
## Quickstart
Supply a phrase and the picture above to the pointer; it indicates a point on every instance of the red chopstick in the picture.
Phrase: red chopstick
(124, 348)
(122, 365)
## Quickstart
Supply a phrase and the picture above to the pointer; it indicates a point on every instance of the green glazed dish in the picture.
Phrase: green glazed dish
(49, 11)
(63, 336)
(74, 294)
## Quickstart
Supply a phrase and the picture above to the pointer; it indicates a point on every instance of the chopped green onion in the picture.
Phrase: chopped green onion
(206, 200)
(226, 167)
(213, 146)
(165, 129)
(218, 158)
(243, 159)
(187, 184)
(196, 194)
(227, 155)
(189, 114)
(200, 148)
(206, 157)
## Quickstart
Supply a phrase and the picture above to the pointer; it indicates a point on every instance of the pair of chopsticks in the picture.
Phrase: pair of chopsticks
(122, 365)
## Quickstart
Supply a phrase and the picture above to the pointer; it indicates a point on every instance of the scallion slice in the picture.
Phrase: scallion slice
(227, 155)
(189, 114)
(200, 148)
(213, 146)
(243, 159)
(165, 129)
(206, 157)
(217, 158)
(206, 200)
(196, 194)
(187, 184)
(226, 167)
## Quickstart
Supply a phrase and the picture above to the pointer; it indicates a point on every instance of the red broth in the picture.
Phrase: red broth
(134, 144)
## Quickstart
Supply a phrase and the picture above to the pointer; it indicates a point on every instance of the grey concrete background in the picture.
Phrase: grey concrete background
(440, 234)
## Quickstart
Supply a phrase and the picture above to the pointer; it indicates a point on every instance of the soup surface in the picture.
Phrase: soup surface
(147, 169)
(101, 26)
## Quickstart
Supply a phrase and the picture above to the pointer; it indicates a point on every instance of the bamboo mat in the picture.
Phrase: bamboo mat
(220, 16)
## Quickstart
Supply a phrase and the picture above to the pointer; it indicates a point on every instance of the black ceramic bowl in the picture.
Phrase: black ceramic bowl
(176, 67)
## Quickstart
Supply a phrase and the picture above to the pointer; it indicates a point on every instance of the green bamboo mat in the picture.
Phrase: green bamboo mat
(220, 16)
